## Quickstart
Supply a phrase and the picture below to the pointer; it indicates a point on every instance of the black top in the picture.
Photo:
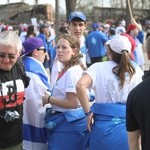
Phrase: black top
(11, 131)
(138, 112)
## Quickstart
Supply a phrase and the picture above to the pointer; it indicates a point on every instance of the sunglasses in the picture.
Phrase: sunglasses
(10, 56)
(41, 49)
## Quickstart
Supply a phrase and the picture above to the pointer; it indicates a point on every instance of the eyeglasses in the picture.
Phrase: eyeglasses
(10, 56)
(41, 49)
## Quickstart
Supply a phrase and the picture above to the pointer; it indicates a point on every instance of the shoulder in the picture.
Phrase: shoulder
(74, 69)
(106, 65)
(142, 89)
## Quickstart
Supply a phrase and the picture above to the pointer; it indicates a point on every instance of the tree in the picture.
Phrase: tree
(81, 5)
(70, 6)
(36, 2)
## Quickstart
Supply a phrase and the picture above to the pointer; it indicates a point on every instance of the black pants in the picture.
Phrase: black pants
(96, 59)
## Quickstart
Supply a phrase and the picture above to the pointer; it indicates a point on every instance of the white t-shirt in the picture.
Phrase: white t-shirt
(106, 83)
(67, 83)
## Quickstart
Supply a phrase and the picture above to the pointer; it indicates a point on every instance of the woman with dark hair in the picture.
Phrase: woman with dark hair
(31, 31)
(66, 122)
(112, 81)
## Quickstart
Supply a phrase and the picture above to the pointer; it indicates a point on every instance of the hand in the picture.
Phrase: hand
(133, 21)
(45, 99)
(90, 121)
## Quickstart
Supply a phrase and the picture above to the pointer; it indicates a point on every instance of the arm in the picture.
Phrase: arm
(70, 102)
(81, 89)
(133, 21)
(134, 140)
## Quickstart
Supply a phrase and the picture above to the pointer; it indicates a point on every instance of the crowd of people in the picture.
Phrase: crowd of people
(78, 91)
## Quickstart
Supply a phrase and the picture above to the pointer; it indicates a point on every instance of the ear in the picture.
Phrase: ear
(75, 51)
(35, 53)
(18, 54)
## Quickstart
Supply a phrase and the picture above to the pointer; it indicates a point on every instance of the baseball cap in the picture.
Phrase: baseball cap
(31, 44)
(77, 14)
(131, 27)
(95, 25)
(119, 43)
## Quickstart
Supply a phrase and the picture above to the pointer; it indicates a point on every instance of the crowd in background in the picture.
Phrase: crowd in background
(83, 75)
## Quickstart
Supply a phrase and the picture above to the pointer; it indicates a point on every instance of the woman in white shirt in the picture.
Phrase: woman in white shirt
(112, 81)
(66, 121)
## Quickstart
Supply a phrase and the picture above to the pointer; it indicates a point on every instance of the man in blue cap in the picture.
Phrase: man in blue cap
(95, 41)
(77, 26)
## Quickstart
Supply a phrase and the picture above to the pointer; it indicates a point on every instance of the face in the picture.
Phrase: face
(135, 32)
(45, 30)
(8, 57)
(64, 51)
(40, 53)
(77, 28)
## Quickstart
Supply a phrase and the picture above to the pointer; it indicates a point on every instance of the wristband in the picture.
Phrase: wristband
(88, 113)
(49, 99)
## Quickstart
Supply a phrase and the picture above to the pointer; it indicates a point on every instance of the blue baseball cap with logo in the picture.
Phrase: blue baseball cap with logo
(77, 14)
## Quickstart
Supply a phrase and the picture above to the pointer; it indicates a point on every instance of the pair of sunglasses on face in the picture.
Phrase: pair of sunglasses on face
(41, 49)
(10, 56)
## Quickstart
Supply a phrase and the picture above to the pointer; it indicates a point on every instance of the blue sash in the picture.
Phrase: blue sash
(33, 66)
(69, 129)
(109, 129)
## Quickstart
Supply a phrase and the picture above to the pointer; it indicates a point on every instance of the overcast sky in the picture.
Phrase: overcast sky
(29, 1)
(52, 2)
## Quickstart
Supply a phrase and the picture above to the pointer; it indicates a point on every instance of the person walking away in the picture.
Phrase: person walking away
(95, 41)
(111, 81)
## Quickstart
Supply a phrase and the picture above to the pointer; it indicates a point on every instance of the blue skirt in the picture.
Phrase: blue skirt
(67, 131)
(109, 128)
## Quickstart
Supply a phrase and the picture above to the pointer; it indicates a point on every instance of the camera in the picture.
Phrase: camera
(11, 116)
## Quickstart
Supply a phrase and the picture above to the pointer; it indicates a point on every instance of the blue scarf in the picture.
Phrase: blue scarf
(32, 66)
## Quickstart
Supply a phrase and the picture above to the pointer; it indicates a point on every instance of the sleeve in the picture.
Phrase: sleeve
(104, 38)
(141, 37)
(131, 122)
(92, 72)
(72, 78)
(21, 68)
